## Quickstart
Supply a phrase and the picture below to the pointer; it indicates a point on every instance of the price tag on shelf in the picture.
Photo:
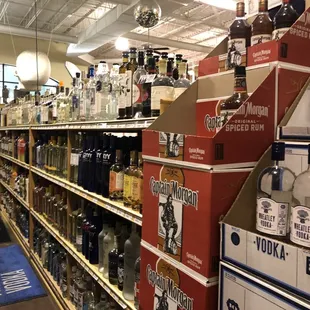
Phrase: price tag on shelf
(94, 200)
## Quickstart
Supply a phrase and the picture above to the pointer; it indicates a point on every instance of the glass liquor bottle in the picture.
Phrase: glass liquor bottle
(131, 68)
(115, 93)
(137, 186)
(102, 90)
(102, 234)
(74, 160)
(116, 185)
(162, 88)
(182, 83)
(113, 260)
(81, 158)
(79, 232)
(108, 159)
(128, 178)
(170, 70)
(75, 100)
(102, 146)
(88, 295)
(122, 99)
(137, 283)
(137, 86)
(175, 72)
(84, 103)
(72, 280)
(300, 211)
(262, 25)
(73, 222)
(85, 231)
(147, 87)
(91, 94)
(103, 304)
(283, 20)
(107, 247)
(93, 232)
(239, 37)
(274, 195)
(230, 106)
(131, 253)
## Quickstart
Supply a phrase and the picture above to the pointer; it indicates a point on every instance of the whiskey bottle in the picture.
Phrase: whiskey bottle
(113, 261)
(137, 88)
(232, 104)
(175, 72)
(300, 211)
(122, 99)
(284, 19)
(274, 195)
(116, 185)
(182, 83)
(128, 178)
(262, 25)
(137, 186)
(162, 88)
(239, 37)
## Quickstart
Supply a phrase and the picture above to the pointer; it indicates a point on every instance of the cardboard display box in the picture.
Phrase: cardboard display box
(282, 263)
(164, 284)
(243, 291)
(183, 204)
(292, 48)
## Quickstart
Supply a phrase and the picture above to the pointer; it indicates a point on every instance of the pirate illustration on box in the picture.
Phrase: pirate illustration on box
(169, 224)
(162, 303)
(233, 57)
(172, 147)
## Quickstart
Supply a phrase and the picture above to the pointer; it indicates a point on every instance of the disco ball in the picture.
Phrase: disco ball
(147, 13)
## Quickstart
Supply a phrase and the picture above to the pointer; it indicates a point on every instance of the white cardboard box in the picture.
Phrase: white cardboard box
(281, 263)
(240, 290)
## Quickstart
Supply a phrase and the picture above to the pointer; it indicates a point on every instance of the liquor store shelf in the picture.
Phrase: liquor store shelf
(113, 206)
(126, 124)
(14, 160)
(93, 270)
(65, 303)
(21, 200)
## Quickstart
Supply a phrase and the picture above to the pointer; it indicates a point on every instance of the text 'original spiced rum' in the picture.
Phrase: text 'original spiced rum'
(262, 25)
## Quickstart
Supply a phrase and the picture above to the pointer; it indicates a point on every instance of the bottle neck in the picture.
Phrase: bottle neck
(125, 60)
(263, 6)
(286, 1)
(240, 13)
(240, 85)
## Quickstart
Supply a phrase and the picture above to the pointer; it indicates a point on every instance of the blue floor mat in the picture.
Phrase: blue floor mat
(18, 281)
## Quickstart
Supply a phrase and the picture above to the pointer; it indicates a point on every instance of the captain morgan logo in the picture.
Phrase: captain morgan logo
(187, 196)
(247, 109)
(173, 291)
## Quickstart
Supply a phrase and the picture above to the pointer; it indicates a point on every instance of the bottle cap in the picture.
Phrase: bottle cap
(132, 50)
(278, 151)
(102, 62)
(179, 56)
(240, 71)
(164, 55)
(61, 83)
(141, 54)
(77, 75)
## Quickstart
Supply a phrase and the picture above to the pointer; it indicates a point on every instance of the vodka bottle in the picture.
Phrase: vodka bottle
(274, 195)
(137, 283)
(107, 247)
(114, 92)
(88, 295)
(91, 94)
(75, 99)
(131, 253)
(300, 211)
(72, 280)
(78, 279)
(103, 304)
(103, 90)
(79, 232)
(105, 229)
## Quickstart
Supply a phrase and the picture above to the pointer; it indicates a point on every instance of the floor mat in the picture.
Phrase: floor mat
(18, 281)
(4, 236)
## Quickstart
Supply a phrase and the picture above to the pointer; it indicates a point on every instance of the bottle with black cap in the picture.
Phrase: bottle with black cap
(300, 211)
(178, 60)
(230, 106)
(274, 195)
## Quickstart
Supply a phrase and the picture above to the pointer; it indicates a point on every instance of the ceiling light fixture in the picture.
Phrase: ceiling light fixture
(223, 4)
(70, 15)
(121, 44)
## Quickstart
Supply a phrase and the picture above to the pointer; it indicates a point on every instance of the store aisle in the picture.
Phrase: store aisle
(47, 302)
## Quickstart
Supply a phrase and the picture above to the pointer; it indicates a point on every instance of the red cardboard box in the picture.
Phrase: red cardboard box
(165, 284)
(183, 204)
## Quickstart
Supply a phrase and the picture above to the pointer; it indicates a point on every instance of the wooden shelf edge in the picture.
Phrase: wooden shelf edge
(112, 290)
(14, 160)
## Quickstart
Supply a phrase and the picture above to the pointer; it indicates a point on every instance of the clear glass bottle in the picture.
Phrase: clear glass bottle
(137, 283)
(300, 211)
(262, 26)
(88, 296)
(122, 99)
(182, 83)
(107, 247)
(274, 195)
(162, 88)
(113, 261)
(116, 184)
(91, 94)
(102, 90)
(102, 234)
(284, 19)
(72, 280)
(114, 93)
(75, 99)
(131, 253)
(79, 232)
(103, 304)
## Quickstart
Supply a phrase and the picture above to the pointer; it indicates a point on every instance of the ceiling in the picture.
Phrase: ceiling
(91, 26)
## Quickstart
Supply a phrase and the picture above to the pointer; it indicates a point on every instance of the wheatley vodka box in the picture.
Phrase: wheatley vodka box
(282, 263)
(240, 290)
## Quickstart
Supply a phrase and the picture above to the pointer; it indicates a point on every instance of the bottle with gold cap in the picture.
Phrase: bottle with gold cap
(162, 88)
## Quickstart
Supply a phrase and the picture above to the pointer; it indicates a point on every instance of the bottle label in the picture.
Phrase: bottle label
(74, 159)
(260, 38)
(137, 189)
(129, 88)
(300, 226)
(122, 99)
(136, 94)
(127, 186)
(75, 102)
(236, 45)
(272, 217)
(54, 110)
(161, 93)
(226, 115)
(116, 181)
(178, 92)
(92, 99)
(79, 239)
(277, 34)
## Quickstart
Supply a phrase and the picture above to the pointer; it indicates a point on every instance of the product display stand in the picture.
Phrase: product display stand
(118, 127)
